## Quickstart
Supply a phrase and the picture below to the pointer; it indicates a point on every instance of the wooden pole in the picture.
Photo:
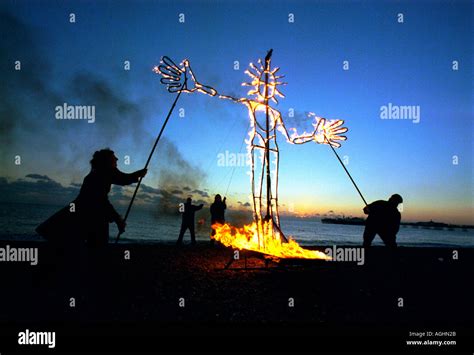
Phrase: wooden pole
(347, 172)
(269, 214)
(149, 156)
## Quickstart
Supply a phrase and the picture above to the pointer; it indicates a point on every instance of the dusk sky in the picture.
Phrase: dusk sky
(409, 63)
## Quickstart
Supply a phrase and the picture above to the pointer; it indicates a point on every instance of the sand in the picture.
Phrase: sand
(161, 287)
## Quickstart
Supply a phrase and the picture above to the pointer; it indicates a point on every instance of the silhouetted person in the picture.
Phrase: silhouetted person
(188, 220)
(383, 219)
(218, 208)
(88, 216)
(87, 219)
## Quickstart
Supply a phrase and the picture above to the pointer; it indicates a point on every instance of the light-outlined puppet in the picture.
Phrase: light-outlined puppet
(265, 120)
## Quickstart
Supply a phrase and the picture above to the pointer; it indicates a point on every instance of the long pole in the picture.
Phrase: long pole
(269, 214)
(149, 157)
(347, 172)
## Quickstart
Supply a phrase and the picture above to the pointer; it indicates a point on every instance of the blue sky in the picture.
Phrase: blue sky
(407, 63)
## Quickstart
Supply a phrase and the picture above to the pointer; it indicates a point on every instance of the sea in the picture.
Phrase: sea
(19, 220)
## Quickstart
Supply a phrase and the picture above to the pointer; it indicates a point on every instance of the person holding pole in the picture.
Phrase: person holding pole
(89, 215)
(383, 216)
(173, 89)
(383, 219)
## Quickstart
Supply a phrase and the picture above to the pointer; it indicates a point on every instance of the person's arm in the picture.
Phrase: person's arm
(225, 205)
(397, 221)
(197, 208)
(367, 209)
(115, 217)
(120, 178)
(375, 206)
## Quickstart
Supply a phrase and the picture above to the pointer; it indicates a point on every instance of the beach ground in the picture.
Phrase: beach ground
(162, 284)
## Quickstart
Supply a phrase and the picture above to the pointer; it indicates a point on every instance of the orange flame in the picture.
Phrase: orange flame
(269, 242)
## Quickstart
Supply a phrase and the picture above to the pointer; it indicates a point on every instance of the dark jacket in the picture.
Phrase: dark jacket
(384, 217)
(92, 210)
(188, 214)
(218, 212)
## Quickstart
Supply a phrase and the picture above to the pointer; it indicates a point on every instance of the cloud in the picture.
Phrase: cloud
(25, 93)
(200, 192)
(29, 97)
(175, 169)
(28, 105)
(37, 188)
(246, 204)
(44, 191)
(150, 190)
(300, 120)
(38, 177)
(177, 176)
(112, 107)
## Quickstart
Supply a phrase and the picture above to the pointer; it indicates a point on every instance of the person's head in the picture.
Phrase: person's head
(218, 198)
(395, 199)
(189, 200)
(104, 159)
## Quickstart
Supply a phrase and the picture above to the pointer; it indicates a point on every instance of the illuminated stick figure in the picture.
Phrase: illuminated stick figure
(265, 120)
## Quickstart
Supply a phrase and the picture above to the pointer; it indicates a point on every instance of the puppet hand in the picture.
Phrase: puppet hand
(180, 78)
(330, 132)
(173, 76)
